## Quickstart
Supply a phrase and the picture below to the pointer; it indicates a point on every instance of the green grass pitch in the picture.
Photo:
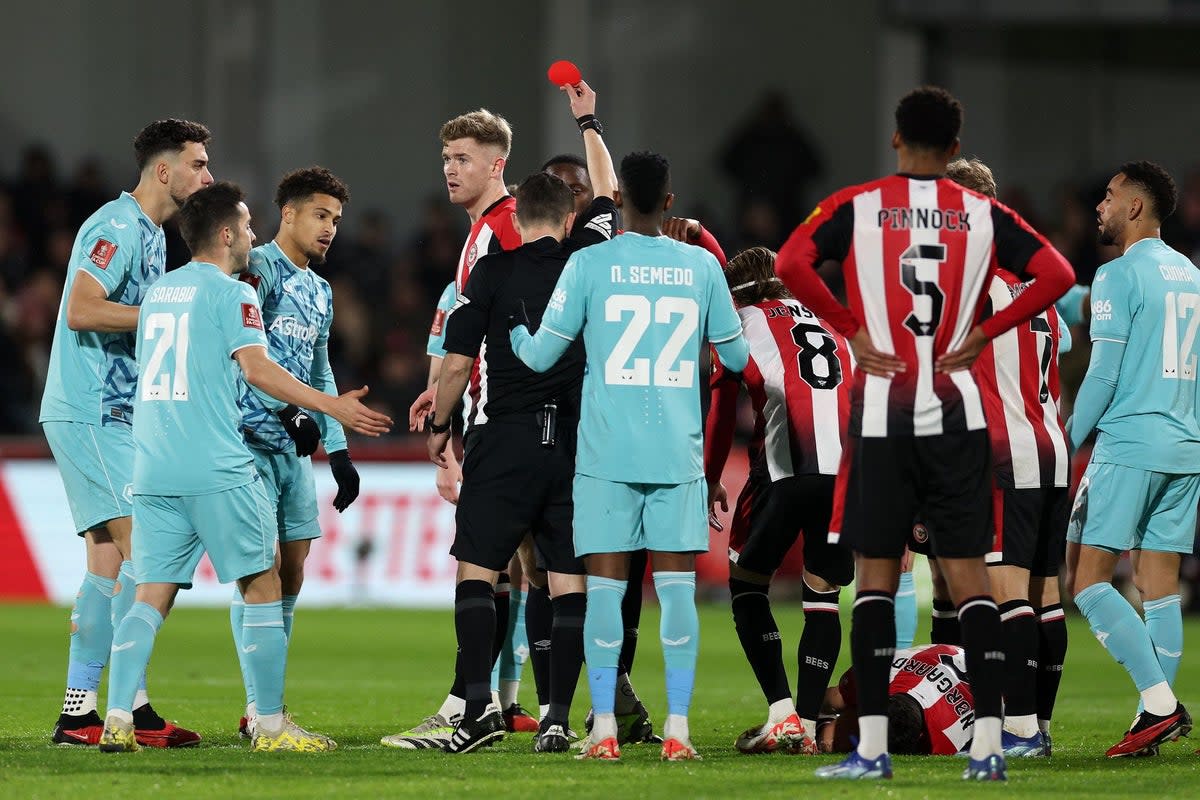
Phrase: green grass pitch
(357, 675)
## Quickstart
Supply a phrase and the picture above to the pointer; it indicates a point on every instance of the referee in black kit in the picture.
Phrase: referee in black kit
(519, 463)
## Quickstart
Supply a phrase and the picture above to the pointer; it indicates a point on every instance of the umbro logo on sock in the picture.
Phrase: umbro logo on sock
(250, 648)
(1162, 651)
(676, 642)
(610, 645)
(116, 648)
(1102, 637)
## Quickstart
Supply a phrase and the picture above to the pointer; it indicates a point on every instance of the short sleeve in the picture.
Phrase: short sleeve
(436, 346)
(1115, 301)
(467, 323)
(566, 310)
(108, 251)
(723, 323)
(240, 319)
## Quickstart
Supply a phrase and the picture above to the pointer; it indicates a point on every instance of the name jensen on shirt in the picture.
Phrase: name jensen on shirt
(171, 294)
(662, 276)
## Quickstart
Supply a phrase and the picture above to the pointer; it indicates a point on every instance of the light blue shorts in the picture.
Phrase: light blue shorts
(612, 517)
(1121, 508)
(236, 527)
(292, 492)
(96, 464)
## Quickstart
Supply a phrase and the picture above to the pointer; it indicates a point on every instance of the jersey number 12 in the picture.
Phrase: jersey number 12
(167, 332)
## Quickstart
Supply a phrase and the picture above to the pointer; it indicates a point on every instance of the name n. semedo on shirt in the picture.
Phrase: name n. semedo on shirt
(661, 276)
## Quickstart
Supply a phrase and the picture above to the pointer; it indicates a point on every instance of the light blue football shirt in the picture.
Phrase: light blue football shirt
(92, 376)
(187, 424)
(297, 311)
(436, 346)
(645, 306)
(1149, 299)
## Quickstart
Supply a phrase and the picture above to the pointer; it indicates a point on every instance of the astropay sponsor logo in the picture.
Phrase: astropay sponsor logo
(290, 326)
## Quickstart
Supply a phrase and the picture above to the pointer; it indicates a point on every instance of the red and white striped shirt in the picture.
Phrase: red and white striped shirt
(917, 254)
(936, 677)
(1018, 374)
(798, 378)
(491, 233)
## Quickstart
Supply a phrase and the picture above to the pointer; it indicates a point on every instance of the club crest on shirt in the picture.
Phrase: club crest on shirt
(102, 253)
(472, 254)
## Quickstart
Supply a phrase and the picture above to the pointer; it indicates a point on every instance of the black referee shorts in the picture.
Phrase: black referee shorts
(771, 515)
(944, 481)
(1031, 529)
(512, 485)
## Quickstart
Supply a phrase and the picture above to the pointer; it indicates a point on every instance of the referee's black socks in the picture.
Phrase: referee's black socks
(475, 625)
(566, 653)
(539, 615)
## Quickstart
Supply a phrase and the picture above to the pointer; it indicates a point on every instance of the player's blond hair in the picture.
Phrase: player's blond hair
(483, 126)
(973, 174)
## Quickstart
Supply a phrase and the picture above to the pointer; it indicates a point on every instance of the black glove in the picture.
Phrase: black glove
(520, 318)
(303, 429)
(346, 477)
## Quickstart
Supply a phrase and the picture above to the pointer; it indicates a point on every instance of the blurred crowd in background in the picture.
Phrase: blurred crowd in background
(387, 273)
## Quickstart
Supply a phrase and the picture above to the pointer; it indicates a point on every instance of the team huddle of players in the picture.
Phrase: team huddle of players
(920, 416)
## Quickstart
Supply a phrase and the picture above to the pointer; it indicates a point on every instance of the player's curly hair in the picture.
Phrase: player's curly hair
(973, 174)
(751, 277)
(929, 117)
(1156, 183)
(645, 180)
(302, 184)
(906, 727)
(207, 211)
(483, 126)
(167, 135)
(566, 158)
(544, 198)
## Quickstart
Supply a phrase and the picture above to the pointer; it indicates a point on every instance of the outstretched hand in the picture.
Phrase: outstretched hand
(349, 410)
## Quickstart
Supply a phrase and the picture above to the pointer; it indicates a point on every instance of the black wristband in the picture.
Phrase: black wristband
(435, 428)
(590, 121)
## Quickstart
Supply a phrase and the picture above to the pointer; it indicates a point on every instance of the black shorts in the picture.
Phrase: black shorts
(512, 485)
(1031, 529)
(770, 516)
(943, 481)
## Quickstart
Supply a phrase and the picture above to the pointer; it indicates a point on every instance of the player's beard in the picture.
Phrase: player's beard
(315, 258)
(1108, 235)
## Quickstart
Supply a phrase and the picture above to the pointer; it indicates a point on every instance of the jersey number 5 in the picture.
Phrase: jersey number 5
(925, 317)
(619, 370)
(157, 383)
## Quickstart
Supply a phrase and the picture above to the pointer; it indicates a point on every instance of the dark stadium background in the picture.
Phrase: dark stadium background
(763, 108)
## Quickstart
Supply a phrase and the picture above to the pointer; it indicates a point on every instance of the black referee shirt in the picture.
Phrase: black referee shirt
(478, 324)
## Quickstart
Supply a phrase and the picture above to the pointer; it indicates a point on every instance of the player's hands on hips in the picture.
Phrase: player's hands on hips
(346, 478)
(303, 429)
(349, 410)
(681, 229)
(421, 408)
(583, 99)
(870, 359)
(965, 356)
